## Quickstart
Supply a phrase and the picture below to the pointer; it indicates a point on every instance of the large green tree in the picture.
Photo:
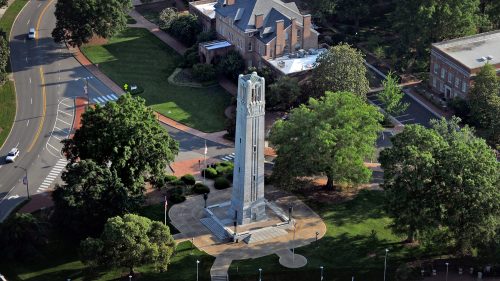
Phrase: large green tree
(491, 10)
(89, 196)
(329, 136)
(130, 241)
(125, 136)
(77, 21)
(283, 93)
(4, 58)
(484, 100)
(443, 177)
(391, 95)
(21, 237)
(339, 69)
(421, 23)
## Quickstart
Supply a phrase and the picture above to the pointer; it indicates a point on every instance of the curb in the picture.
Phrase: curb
(439, 116)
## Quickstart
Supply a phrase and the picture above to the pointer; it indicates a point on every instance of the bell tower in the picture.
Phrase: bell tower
(247, 200)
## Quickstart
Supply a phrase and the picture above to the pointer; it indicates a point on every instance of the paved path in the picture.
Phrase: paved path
(186, 218)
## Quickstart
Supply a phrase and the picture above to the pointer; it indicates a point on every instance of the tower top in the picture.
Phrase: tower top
(253, 78)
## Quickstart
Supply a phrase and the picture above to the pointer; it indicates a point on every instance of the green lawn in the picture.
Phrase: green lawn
(7, 109)
(10, 15)
(135, 56)
(354, 245)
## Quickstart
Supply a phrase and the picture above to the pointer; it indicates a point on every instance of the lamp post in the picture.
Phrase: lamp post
(317, 234)
(321, 268)
(260, 274)
(25, 180)
(86, 88)
(385, 262)
(293, 242)
(197, 270)
(447, 271)
(130, 277)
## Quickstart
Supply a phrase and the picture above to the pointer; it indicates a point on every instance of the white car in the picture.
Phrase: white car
(13, 154)
(31, 33)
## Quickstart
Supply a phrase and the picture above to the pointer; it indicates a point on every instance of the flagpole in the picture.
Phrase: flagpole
(205, 161)
(165, 206)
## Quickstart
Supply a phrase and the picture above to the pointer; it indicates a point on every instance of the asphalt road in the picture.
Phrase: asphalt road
(45, 76)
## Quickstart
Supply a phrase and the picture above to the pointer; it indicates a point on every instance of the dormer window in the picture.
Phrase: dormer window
(250, 47)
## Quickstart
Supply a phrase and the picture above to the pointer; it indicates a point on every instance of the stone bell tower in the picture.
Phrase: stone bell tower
(247, 200)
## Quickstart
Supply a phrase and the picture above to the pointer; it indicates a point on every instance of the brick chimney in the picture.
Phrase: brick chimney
(259, 20)
(280, 37)
(293, 37)
(230, 2)
(306, 32)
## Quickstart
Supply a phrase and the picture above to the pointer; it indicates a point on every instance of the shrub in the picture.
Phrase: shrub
(221, 183)
(204, 72)
(200, 188)
(177, 198)
(170, 178)
(167, 17)
(224, 170)
(209, 173)
(229, 176)
(177, 183)
(226, 164)
(206, 36)
(188, 179)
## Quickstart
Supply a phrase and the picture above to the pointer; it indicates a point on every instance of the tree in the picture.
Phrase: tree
(341, 68)
(204, 72)
(330, 136)
(421, 23)
(491, 10)
(4, 59)
(185, 28)
(4, 3)
(283, 93)
(126, 136)
(231, 65)
(485, 103)
(167, 17)
(77, 21)
(130, 241)
(21, 235)
(444, 176)
(391, 96)
(354, 10)
(89, 196)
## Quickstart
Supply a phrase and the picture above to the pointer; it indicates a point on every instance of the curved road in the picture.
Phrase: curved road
(45, 75)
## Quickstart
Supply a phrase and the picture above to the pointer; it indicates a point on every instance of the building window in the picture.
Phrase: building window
(441, 87)
(464, 86)
(450, 77)
(298, 33)
(434, 82)
(250, 47)
(457, 82)
(443, 73)
(436, 68)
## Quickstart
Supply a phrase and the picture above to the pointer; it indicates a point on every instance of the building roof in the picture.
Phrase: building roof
(207, 9)
(473, 51)
(244, 11)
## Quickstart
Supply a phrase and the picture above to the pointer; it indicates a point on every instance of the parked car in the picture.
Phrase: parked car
(31, 33)
(12, 155)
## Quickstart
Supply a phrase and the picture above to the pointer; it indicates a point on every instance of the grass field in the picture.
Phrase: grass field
(10, 15)
(7, 109)
(354, 245)
(135, 56)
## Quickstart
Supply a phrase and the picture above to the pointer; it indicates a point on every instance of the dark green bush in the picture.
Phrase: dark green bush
(229, 176)
(206, 36)
(209, 173)
(221, 183)
(203, 72)
(231, 65)
(188, 179)
(185, 28)
(224, 170)
(177, 183)
(200, 188)
(226, 164)
(170, 178)
(177, 198)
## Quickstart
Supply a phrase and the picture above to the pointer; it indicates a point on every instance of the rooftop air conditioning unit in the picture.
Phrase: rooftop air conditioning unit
(482, 59)
(490, 57)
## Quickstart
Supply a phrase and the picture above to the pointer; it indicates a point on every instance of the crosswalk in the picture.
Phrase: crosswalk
(54, 173)
(229, 157)
(105, 99)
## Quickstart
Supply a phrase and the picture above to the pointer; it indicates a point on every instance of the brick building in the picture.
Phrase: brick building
(261, 31)
(455, 63)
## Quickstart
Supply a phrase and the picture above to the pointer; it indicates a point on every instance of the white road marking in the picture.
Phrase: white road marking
(39, 5)
(31, 100)
(27, 123)
(28, 23)
(60, 120)
(406, 120)
(100, 99)
(30, 80)
(65, 113)
(17, 144)
(105, 98)
(114, 97)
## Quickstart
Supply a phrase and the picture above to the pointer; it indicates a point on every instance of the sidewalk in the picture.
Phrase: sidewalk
(427, 104)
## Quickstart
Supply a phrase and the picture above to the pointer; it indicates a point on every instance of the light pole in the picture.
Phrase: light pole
(293, 242)
(86, 88)
(321, 268)
(447, 271)
(197, 269)
(260, 274)
(385, 262)
(130, 277)
(25, 180)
